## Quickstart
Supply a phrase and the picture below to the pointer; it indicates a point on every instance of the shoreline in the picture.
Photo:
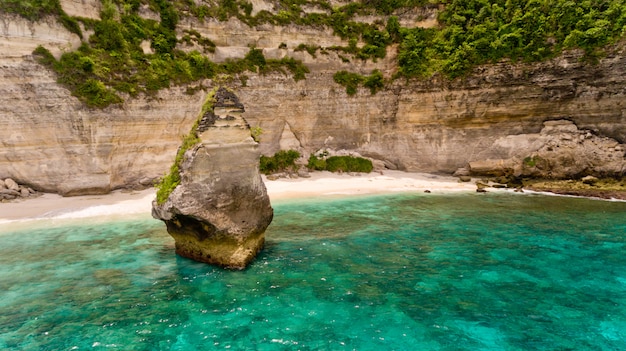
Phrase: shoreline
(319, 185)
(324, 183)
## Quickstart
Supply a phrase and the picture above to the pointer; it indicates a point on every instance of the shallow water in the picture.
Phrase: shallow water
(401, 272)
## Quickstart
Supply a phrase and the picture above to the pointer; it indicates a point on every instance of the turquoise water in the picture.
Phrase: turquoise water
(401, 272)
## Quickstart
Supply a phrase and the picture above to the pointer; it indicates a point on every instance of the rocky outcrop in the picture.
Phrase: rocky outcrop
(220, 210)
(10, 190)
(559, 151)
(51, 142)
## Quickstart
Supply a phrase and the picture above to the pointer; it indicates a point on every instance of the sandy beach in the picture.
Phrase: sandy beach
(320, 184)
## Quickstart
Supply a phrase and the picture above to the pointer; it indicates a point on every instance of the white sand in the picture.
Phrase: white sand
(326, 183)
(320, 184)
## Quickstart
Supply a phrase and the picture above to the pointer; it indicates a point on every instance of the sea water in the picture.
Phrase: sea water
(393, 272)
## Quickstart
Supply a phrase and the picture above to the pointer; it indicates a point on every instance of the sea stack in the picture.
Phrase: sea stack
(214, 202)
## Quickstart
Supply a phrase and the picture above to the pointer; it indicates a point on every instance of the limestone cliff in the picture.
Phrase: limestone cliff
(559, 151)
(51, 142)
(440, 125)
(220, 210)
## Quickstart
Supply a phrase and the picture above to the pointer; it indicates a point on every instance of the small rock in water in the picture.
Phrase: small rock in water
(427, 191)
(481, 190)
(465, 179)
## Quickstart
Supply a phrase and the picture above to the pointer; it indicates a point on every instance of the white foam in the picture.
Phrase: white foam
(51, 207)
(136, 206)
(547, 193)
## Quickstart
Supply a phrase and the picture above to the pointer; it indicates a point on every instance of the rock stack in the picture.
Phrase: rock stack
(10, 190)
(220, 210)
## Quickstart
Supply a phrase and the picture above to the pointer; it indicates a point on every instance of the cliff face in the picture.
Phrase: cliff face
(51, 142)
(438, 126)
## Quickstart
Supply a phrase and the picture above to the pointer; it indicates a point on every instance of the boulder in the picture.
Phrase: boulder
(24, 192)
(461, 172)
(590, 180)
(465, 179)
(8, 194)
(219, 211)
(481, 185)
(146, 181)
(303, 172)
(378, 165)
(391, 165)
(494, 167)
(11, 184)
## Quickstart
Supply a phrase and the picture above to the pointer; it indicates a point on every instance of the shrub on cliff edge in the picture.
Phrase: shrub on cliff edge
(170, 181)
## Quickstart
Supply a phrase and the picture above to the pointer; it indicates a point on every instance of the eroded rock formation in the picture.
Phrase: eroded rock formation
(559, 151)
(220, 210)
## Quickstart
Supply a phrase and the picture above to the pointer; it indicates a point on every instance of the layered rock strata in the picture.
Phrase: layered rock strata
(51, 142)
(220, 210)
(439, 125)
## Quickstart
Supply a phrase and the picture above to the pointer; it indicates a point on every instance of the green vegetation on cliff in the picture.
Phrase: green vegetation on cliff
(171, 180)
(352, 81)
(36, 9)
(31, 9)
(131, 54)
(340, 164)
(115, 60)
(285, 161)
(474, 32)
